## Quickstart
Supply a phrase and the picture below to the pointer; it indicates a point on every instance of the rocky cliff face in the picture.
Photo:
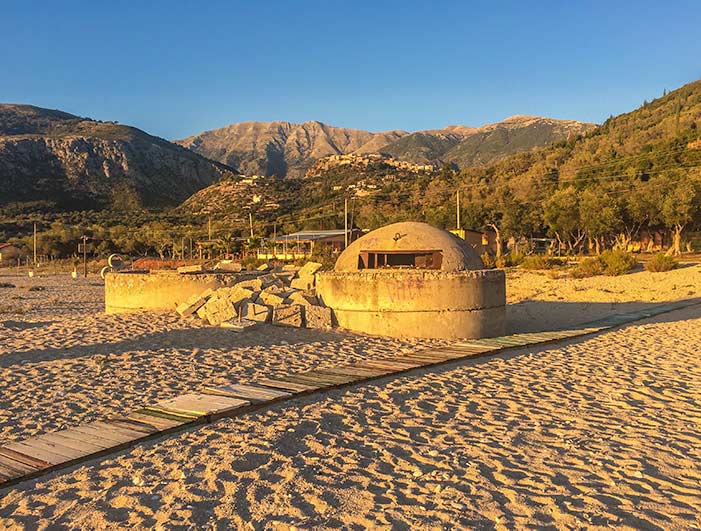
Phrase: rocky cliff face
(78, 163)
(281, 148)
(287, 149)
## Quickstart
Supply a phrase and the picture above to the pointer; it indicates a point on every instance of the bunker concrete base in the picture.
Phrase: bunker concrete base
(163, 290)
(469, 324)
(417, 303)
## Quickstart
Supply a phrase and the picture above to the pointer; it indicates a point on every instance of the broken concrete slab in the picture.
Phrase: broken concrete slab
(271, 280)
(318, 317)
(217, 309)
(239, 325)
(306, 298)
(235, 294)
(288, 315)
(194, 303)
(191, 269)
(309, 269)
(256, 284)
(264, 267)
(229, 265)
(271, 298)
(257, 312)
(303, 283)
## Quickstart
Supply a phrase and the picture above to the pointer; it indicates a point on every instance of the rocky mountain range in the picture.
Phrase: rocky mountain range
(77, 163)
(288, 149)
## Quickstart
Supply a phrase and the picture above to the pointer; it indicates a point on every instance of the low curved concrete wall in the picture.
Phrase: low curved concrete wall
(429, 304)
(138, 291)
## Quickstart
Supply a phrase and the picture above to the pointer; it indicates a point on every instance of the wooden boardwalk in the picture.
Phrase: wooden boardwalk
(39, 455)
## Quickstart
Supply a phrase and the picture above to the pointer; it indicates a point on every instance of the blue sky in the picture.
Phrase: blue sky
(179, 67)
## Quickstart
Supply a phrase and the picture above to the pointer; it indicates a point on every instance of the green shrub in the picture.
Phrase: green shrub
(488, 261)
(588, 267)
(611, 263)
(324, 255)
(514, 259)
(536, 261)
(661, 262)
(251, 262)
(617, 262)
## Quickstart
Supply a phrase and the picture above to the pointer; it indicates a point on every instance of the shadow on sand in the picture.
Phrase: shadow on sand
(542, 316)
(527, 316)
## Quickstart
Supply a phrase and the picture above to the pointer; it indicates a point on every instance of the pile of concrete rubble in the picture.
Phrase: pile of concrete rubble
(283, 296)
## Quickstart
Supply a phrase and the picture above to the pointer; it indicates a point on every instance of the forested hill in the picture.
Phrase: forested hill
(75, 163)
(638, 170)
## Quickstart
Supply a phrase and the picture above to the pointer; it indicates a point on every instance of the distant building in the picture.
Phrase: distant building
(9, 254)
(302, 244)
(481, 241)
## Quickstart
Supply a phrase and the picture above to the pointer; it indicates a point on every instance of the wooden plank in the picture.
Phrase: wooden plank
(155, 421)
(28, 460)
(507, 341)
(21, 468)
(253, 393)
(325, 379)
(390, 366)
(37, 451)
(446, 354)
(113, 429)
(287, 386)
(318, 383)
(7, 474)
(200, 404)
(436, 356)
(479, 343)
(297, 379)
(428, 357)
(340, 375)
(402, 363)
(418, 358)
(363, 370)
(117, 438)
(356, 374)
(73, 434)
(130, 425)
(60, 448)
(473, 349)
(61, 438)
(180, 419)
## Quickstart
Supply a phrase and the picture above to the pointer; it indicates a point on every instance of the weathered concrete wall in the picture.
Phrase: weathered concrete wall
(430, 304)
(164, 290)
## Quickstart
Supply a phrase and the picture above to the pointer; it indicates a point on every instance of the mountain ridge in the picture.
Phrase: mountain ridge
(76, 162)
(288, 149)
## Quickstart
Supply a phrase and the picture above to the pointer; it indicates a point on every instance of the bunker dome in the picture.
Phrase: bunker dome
(409, 245)
(414, 280)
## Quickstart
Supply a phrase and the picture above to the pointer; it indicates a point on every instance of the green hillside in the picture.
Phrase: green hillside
(636, 172)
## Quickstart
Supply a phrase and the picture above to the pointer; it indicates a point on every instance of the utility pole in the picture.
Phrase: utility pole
(182, 247)
(457, 211)
(35, 244)
(209, 228)
(345, 221)
(85, 256)
(250, 222)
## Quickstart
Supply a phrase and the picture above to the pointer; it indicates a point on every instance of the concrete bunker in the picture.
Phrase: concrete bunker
(414, 280)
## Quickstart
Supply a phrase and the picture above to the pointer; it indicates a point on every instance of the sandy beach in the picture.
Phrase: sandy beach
(592, 432)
